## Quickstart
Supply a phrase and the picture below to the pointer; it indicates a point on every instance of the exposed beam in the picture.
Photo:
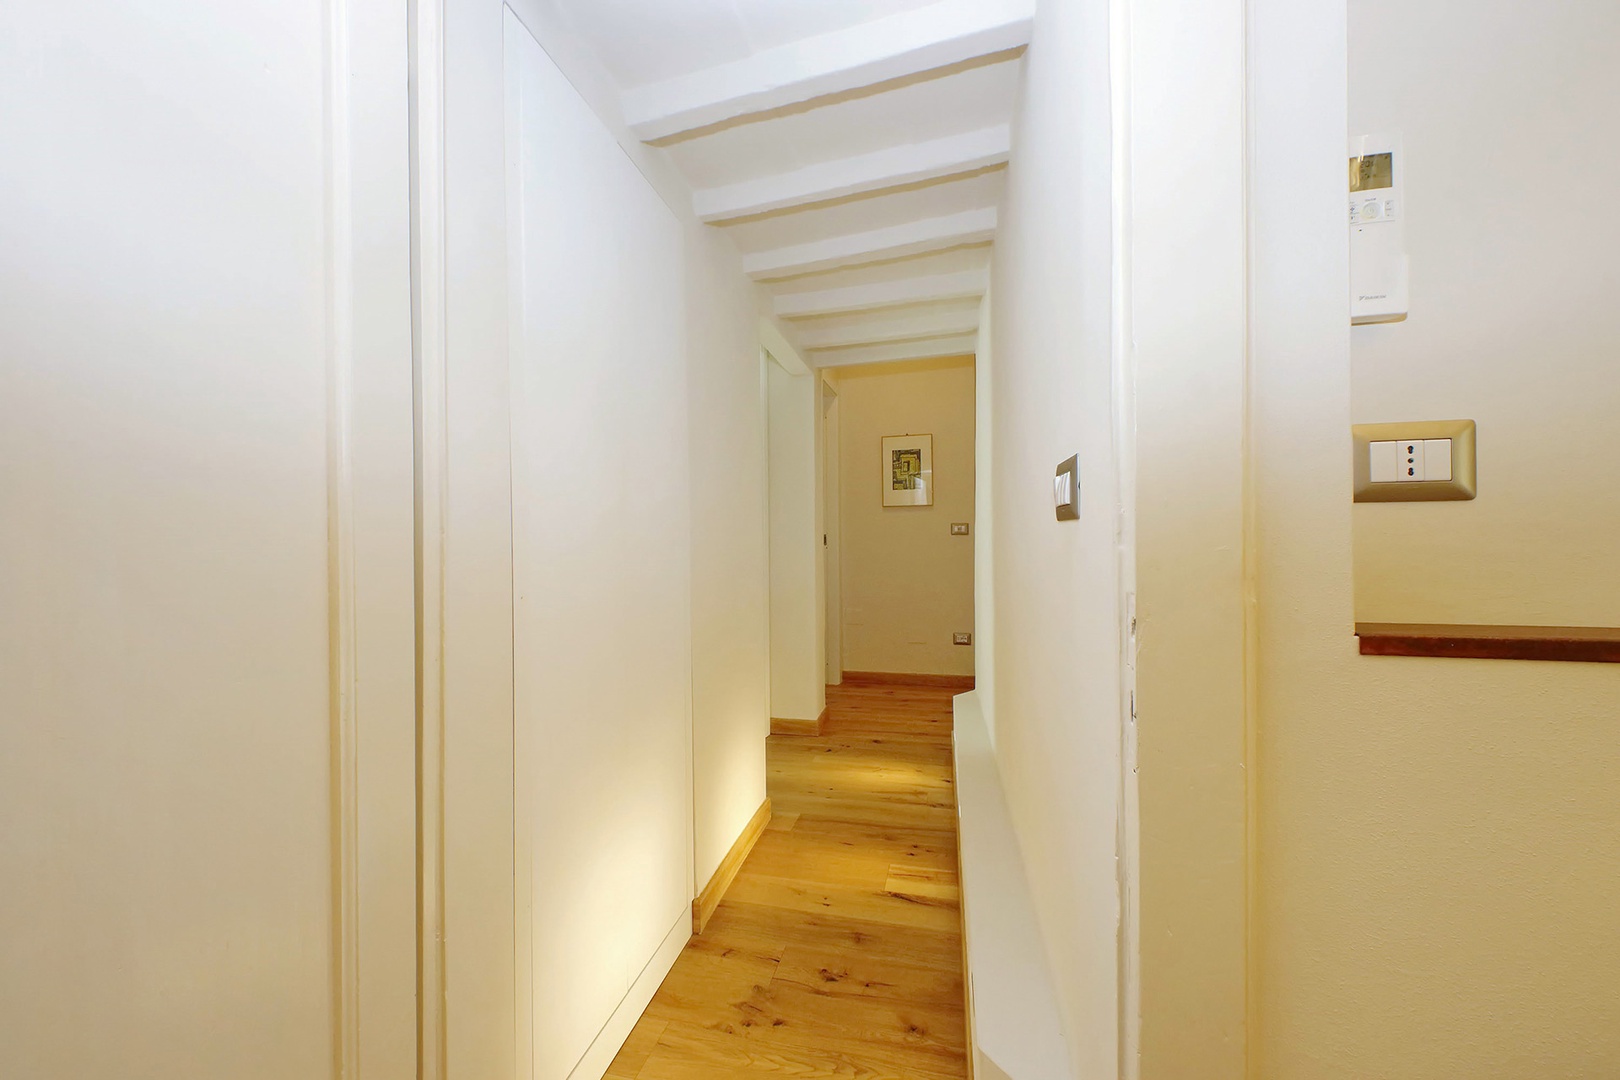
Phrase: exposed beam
(887, 168)
(910, 43)
(915, 290)
(780, 348)
(875, 329)
(894, 242)
(934, 348)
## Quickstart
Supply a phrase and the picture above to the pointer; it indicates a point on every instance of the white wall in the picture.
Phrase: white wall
(798, 636)
(1433, 896)
(1057, 677)
(907, 581)
(1513, 322)
(198, 365)
(730, 564)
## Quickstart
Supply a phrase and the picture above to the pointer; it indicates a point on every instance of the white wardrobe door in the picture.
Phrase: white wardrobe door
(600, 556)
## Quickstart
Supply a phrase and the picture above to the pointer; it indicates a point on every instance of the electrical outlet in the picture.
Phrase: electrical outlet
(961, 639)
(959, 528)
(1409, 461)
(1422, 461)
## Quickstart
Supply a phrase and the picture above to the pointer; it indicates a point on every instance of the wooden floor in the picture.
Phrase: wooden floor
(837, 951)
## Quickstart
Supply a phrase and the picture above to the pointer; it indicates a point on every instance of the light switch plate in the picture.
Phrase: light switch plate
(1066, 489)
(961, 639)
(959, 528)
(1420, 445)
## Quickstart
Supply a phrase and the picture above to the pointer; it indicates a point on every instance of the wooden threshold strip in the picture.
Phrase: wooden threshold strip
(1577, 644)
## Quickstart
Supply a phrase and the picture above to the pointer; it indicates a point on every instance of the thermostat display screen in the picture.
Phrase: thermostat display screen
(1372, 171)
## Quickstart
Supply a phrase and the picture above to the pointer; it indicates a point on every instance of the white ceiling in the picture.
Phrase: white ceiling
(646, 41)
(966, 101)
(860, 215)
(855, 150)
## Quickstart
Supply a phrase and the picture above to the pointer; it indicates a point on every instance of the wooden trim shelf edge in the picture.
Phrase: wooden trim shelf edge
(897, 678)
(703, 907)
(1573, 644)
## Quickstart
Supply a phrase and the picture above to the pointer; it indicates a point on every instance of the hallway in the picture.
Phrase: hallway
(837, 951)
(440, 442)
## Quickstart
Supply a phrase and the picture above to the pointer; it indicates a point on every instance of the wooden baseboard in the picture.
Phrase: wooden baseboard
(1579, 644)
(899, 678)
(784, 726)
(709, 899)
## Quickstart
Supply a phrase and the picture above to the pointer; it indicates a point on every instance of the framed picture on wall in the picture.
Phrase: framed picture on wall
(908, 470)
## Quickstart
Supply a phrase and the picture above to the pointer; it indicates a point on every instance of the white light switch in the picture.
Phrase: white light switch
(1409, 460)
(1437, 459)
(1382, 461)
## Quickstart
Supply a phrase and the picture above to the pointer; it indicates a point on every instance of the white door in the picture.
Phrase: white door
(831, 494)
(186, 800)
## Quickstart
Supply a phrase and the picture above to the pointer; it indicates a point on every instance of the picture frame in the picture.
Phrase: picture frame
(908, 470)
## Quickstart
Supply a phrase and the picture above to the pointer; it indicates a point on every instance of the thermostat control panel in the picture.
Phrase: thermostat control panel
(1377, 229)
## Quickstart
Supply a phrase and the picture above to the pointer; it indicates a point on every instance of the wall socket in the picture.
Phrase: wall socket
(961, 639)
(1423, 461)
(959, 528)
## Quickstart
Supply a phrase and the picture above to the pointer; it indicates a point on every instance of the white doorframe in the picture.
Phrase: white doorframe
(371, 541)
(831, 496)
(467, 846)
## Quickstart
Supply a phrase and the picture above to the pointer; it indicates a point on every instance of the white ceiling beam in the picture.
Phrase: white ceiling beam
(894, 242)
(875, 329)
(964, 345)
(886, 168)
(783, 351)
(881, 294)
(902, 45)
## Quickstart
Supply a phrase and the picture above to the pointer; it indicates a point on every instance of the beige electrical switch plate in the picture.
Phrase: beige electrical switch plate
(1411, 462)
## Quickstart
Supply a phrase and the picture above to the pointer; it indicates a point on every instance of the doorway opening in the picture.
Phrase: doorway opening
(898, 513)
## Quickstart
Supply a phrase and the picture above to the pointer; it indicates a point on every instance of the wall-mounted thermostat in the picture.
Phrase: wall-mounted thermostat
(1377, 229)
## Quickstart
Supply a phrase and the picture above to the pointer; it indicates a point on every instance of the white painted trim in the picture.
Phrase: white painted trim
(430, 349)
(909, 43)
(962, 285)
(1128, 842)
(524, 736)
(610, 1040)
(877, 330)
(890, 167)
(896, 241)
(371, 586)
(959, 345)
(340, 539)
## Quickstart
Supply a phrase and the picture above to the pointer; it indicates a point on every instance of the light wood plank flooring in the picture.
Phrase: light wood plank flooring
(837, 951)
